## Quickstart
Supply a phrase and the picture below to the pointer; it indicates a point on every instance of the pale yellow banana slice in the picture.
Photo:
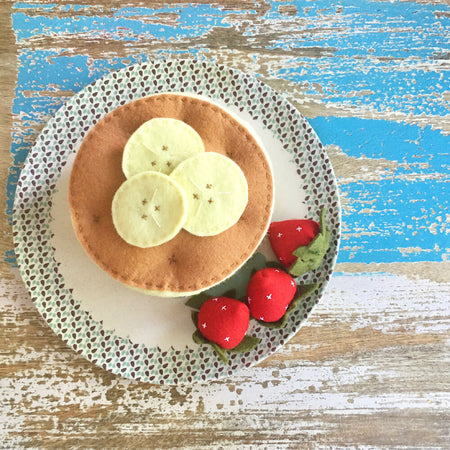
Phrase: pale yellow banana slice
(216, 190)
(159, 145)
(149, 209)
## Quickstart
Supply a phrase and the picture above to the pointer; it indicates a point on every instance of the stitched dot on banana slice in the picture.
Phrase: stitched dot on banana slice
(149, 209)
(159, 145)
(217, 192)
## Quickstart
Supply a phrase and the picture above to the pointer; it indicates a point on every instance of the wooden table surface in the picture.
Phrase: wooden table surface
(370, 368)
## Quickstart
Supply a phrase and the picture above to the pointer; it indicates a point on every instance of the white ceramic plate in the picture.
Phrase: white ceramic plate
(123, 331)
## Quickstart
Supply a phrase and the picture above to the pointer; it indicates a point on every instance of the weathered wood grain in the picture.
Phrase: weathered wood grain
(367, 369)
(399, 71)
(371, 366)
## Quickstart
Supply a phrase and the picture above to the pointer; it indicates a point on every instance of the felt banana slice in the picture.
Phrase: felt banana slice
(149, 209)
(216, 190)
(159, 145)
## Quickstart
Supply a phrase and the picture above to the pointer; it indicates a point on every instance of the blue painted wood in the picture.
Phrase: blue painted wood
(364, 58)
(398, 214)
(369, 367)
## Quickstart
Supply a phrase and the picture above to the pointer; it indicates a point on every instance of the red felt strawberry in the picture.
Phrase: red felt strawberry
(300, 244)
(269, 293)
(288, 235)
(224, 321)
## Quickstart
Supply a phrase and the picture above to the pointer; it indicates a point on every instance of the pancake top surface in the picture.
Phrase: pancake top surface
(186, 263)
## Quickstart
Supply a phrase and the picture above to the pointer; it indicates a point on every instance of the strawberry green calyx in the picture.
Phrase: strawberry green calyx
(310, 257)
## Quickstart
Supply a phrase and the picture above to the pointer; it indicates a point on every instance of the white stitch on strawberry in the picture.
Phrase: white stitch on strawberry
(272, 294)
(300, 244)
(223, 323)
(239, 283)
(269, 293)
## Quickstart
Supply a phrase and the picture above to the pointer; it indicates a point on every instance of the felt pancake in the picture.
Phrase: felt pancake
(187, 263)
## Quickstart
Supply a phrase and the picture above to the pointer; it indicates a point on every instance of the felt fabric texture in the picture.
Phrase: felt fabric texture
(234, 286)
(246, 345)
(269, 293)
(148, 209)
(186, 263)
(216, 191)
(224, 321)
(303, 291)
(159, 145)
(310, 257)
(288, 235)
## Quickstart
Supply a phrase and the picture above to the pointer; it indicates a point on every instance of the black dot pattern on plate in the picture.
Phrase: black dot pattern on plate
(61, 138)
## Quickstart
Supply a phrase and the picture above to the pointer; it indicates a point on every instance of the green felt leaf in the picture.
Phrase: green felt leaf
(276, 265)
(304, 291)
(196, 301)
(230, 294)
(233, 287)
(198, 338)
(309, 257)
(247, 344)
(221, 352)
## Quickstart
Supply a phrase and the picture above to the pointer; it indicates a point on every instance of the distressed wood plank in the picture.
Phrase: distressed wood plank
(302, 55)
(362, 367)
(371, 366)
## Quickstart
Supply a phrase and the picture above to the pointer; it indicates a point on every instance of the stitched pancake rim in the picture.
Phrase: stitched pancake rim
(93, 158)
